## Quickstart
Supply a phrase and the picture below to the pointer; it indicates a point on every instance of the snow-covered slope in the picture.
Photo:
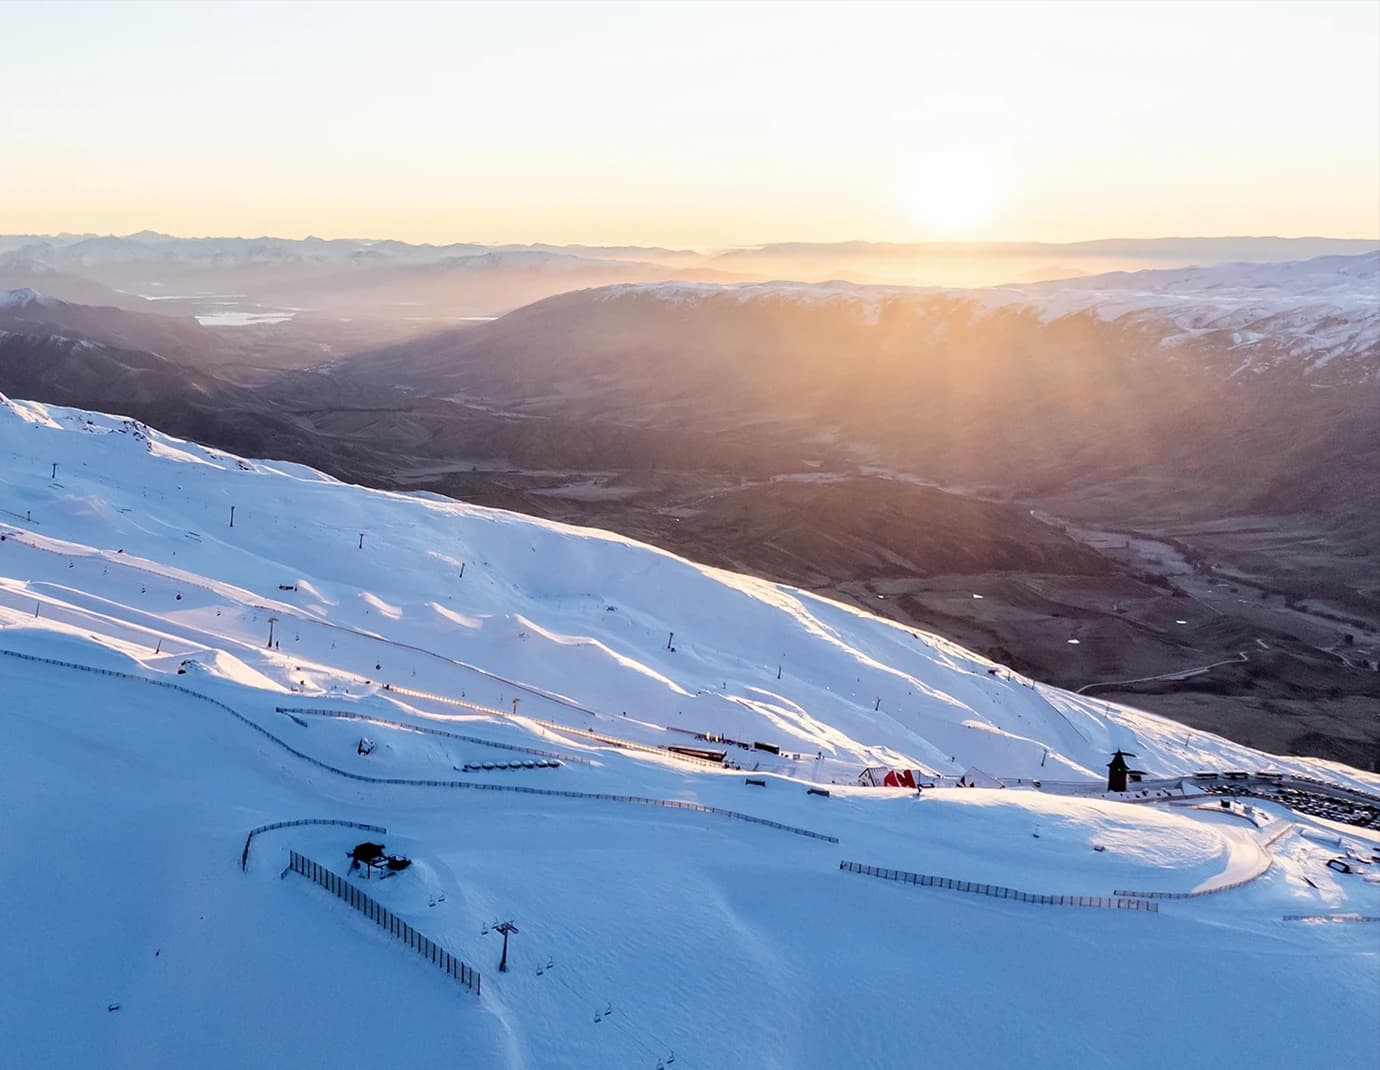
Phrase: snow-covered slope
(578, 613)
(730, 943)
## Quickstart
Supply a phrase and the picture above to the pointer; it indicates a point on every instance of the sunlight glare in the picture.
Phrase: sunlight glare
(953, 194)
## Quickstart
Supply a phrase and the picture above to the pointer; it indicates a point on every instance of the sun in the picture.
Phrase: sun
(953, 194)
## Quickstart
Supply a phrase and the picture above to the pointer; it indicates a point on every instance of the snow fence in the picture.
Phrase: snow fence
(587, 733)
(997, 891)
(353, 715)
(386, 919)
(1266, 843)
(637, 800)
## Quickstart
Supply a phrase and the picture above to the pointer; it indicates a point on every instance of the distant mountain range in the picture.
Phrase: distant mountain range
(93, 250)
(147, 246)
(1262, 381)
(391, 279)
(1200, 250)
(994, 263)
(1316, 319)
(331, 278)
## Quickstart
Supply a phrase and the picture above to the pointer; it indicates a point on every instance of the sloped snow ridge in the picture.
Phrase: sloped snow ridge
(653, 768)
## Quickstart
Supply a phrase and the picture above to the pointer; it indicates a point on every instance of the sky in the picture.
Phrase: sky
(692, 125)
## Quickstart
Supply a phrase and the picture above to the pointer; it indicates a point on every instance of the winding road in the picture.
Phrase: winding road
(1180, 674)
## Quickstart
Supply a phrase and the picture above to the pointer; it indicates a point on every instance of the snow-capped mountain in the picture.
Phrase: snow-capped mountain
(1312, 311)
(345, 654)
(25, 297)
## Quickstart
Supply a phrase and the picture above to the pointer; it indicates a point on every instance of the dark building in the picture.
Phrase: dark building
(1117, 770)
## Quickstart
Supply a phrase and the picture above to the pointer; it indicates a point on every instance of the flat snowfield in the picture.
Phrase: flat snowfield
(424, 651)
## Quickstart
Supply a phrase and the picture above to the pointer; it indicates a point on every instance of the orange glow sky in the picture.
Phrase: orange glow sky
(692, 125)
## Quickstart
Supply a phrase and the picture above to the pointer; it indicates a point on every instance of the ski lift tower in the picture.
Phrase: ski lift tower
(505, 928)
